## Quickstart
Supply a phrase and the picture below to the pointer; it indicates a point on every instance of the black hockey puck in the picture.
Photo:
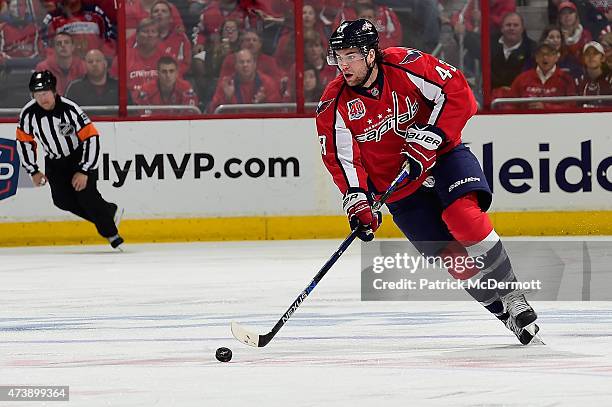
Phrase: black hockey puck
(223, 354)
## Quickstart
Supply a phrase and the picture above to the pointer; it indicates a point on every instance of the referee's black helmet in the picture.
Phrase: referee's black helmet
(359, 33)
(42, 80)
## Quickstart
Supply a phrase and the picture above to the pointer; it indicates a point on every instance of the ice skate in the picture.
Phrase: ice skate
(524, 335)
(116, 242)
(521, 317)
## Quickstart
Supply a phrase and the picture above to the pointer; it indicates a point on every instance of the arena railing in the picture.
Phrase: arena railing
(500, 101)
(263, 107)
(115, 108)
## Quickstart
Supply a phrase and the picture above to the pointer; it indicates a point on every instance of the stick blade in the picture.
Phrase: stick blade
(245, 336)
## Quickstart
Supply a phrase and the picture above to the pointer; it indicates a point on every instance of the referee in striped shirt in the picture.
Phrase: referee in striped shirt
(72, 147)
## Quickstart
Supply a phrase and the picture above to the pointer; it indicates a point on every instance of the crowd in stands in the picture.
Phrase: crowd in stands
(572, 56)
(208, 53)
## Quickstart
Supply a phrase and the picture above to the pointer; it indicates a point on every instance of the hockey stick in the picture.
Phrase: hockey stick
(255, 340)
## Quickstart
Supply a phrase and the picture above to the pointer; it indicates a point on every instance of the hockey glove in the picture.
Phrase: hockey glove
(358, 209)
(422, 141)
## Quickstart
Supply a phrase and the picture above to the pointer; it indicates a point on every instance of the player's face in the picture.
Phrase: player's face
(167, 75)
(45, 99)
(554, 37)
(593, 59)
(353, 66)
(546, 59)
(161, 13)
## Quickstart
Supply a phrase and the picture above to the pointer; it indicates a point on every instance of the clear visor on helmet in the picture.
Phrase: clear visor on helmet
(335, 60)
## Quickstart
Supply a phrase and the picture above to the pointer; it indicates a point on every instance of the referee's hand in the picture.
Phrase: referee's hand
(79, 181)
(39, 179)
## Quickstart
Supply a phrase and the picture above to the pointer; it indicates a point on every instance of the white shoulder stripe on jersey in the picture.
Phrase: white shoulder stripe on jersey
(82, 117)
(28, 156)
(344, 150)
(431, 92)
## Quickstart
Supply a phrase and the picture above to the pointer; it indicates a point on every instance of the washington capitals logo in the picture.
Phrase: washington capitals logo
(323, 105)
(392, 122)
(411, 56)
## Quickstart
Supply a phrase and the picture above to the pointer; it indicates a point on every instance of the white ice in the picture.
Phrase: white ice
(140, 329)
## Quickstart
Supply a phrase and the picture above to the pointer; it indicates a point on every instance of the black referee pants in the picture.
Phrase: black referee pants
(88, 203)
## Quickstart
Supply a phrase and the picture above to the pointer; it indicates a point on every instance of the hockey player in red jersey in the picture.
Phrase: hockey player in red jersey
(401, 107)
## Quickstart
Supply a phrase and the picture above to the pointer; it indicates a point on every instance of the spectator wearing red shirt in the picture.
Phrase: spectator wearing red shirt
(63, 63)
(168, 89)
(544, 80)
(247, 85)
(18, 34)
(567, 61)
(597, 78)
(213, 16)
(386, 22)
(265, 63)
(174, 42)
(137, 10)
(142, 57)
(575, 34)
(89, 26)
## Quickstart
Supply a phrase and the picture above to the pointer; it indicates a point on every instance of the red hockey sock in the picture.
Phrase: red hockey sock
(466, 221)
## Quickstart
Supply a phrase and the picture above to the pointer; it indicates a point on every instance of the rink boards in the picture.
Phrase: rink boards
(264, 179)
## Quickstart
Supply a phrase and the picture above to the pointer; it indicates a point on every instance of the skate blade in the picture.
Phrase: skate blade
(537, 339)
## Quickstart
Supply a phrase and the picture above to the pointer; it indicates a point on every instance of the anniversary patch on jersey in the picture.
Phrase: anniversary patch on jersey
(323, 105)
(356, 109)
(411, 56)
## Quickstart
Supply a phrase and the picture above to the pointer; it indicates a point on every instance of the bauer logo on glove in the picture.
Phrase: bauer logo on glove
(422, 141)
(425, 135)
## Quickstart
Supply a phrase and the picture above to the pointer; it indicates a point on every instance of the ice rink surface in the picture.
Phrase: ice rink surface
(140, 329)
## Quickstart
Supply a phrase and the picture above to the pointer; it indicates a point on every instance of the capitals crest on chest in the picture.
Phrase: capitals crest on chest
(397, 118)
